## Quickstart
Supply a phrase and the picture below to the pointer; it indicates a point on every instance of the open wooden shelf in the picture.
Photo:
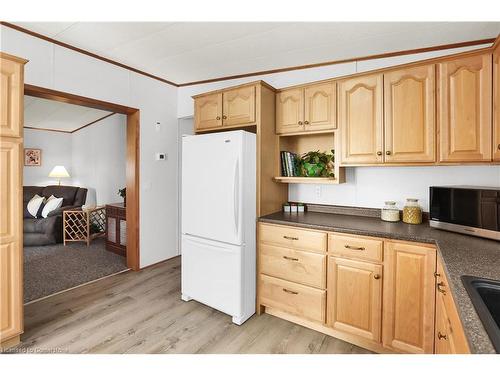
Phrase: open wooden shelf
(307, 180)
(301, 143)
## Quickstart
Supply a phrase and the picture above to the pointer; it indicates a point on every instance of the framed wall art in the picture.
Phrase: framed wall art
(32, 157)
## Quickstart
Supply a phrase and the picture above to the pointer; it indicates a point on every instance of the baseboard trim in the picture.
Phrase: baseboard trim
(10, 343)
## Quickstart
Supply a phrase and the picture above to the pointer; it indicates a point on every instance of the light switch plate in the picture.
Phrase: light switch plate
(162, 156)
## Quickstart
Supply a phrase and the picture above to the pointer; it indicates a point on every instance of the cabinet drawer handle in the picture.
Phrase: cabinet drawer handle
(498, 146)
(291, 238)
(379, 153)
(440, 287)
(217, 118)
(224, 117)
(300, 123)
(290, 258)
(387, 152)
(354, 247)
(442, 337)
(289, 291)
(376, 276)
(306, 122)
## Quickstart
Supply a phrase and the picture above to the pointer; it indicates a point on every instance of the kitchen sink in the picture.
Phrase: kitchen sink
(485, 296)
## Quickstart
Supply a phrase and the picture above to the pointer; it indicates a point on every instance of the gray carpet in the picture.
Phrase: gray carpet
(50, 269)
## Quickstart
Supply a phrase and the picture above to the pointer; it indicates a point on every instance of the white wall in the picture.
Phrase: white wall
(62, 69)
(366, 186)
(56, 150)
(99, 159)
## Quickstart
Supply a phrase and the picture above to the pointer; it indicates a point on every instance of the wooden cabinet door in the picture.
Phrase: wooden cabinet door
(290, 111)
(449, 334)
(464, 109)
(11, 187)
(238, 106)
(11, 97)
(409, 120)
(320, 107)
(496, 104)
(10, 239)
(360, 120)
(208, 112)
(409, 297)
(354, 297)
(442, 342)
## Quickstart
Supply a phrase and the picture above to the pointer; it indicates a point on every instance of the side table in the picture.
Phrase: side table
(84, 225)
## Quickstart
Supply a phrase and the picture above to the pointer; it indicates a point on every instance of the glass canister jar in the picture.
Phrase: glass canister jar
(412, 212)
(390, 212)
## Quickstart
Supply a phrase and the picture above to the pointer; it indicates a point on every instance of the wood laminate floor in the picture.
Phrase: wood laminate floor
(141, 312)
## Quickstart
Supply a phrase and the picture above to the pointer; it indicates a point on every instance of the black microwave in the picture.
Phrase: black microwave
(466, 209)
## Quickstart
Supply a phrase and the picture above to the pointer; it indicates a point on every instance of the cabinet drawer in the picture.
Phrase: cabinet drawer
(355, 247)
(292, 238)
(293, 298)
(293, 265)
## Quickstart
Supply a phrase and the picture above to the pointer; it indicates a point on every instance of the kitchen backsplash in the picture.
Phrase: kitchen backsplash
(371, 186)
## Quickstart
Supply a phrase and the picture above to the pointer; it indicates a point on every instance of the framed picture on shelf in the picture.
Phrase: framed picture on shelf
(32, 157)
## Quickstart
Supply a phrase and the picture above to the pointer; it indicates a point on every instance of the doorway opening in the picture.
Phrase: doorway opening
(88, 225)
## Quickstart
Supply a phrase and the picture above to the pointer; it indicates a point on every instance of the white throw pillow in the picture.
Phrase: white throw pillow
(52, 204)
(34, 205)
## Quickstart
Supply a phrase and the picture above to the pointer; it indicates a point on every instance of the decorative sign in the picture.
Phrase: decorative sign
(32, 157)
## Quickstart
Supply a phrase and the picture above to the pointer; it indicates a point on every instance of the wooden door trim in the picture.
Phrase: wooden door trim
(66, 97)
(132, 158)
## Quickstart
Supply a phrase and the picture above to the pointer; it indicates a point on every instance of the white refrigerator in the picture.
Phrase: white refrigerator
(218, 221)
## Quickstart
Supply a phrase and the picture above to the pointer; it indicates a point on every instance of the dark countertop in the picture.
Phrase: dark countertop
(461, 255)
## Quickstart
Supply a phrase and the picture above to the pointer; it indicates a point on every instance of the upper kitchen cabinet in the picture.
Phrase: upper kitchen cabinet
(208, 112)
(11, 96)
(320, 107)
(234, 107)
(409, 115)
(306, 109)
(496, 104)
(360, 116)
(464, 109)
(290, 111)
(238, 106)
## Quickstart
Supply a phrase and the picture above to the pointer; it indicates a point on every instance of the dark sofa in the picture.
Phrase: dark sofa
(48, 231)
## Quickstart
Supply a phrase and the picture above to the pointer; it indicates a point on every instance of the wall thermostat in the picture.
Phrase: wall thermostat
(161, 156)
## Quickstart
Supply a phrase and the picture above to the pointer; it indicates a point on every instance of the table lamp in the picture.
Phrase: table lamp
(59, 172)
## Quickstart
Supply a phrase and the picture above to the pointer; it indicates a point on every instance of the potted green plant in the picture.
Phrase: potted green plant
(316, 164)
(123, 193)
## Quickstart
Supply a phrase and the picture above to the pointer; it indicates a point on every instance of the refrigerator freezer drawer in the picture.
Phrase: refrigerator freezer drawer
(212, 274)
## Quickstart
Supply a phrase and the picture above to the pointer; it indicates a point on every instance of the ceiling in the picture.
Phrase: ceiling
(191, 51)
(49, 114)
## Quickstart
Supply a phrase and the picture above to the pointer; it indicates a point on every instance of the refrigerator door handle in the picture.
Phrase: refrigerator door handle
(236, 191)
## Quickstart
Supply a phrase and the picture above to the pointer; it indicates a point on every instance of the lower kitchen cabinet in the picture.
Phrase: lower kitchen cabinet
(409, 297)
(354, 295)
(385, 295)
(293, 298)
(449, 334)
